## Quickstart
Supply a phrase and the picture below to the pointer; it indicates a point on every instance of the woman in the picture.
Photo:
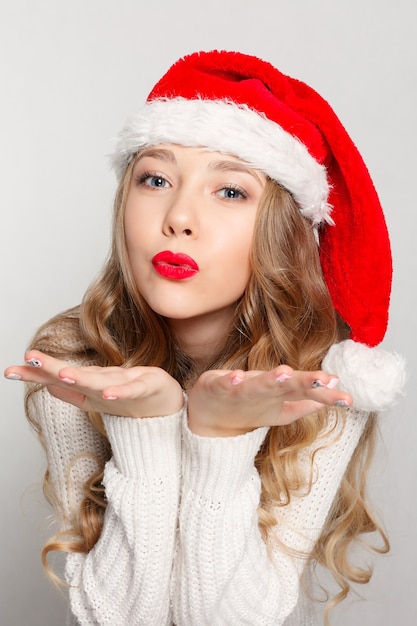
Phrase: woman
(208, 410)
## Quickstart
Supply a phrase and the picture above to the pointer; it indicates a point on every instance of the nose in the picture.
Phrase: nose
(181, 218)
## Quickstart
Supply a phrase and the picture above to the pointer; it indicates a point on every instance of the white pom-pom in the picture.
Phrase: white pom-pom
(373, 377)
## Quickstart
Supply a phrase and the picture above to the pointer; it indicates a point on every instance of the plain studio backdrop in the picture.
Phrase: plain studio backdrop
(71, 72)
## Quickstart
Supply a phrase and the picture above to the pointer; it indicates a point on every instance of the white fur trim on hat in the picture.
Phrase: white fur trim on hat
(373, 377)
(223, 126)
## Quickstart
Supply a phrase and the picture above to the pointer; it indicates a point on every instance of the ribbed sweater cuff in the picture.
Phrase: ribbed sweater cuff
(147, 446)
(219, 467)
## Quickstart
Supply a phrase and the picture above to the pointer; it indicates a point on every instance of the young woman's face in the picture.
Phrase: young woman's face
(189, 221)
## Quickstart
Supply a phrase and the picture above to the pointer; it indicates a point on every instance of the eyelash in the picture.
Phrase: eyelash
(231, 187)
(141, 180)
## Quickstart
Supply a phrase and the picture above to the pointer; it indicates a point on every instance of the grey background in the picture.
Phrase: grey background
(70, 74)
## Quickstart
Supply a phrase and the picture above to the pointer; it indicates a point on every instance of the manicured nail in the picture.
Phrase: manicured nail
(317, 383)
(70, 381)
(236, 380)
(282, 378)
(110, 397)
(333, 383)
(34, 362)
(342, 404)
(14, 377)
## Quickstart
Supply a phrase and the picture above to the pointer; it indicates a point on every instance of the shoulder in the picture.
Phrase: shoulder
(62, 337)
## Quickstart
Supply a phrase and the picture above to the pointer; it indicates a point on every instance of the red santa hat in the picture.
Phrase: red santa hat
(241, 105)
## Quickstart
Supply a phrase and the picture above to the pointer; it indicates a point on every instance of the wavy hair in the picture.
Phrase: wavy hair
(284, 316)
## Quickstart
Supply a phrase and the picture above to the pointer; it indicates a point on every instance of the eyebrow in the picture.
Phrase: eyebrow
(233, 166)
(158, 153)
(215, 166)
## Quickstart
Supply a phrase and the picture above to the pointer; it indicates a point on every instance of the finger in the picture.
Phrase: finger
(220, 382)
(127, 391)
(292, 411)
(294, 387)
(317, 386)
(96, 379)
(316, 379)
(40, 360)
(39, 368)
(65, 394)
(322, 395)
(259, 383)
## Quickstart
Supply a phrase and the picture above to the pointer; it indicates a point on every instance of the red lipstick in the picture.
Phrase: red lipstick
(174, 265)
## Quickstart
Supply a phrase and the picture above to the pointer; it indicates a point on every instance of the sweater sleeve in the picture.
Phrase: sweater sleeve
(125, 578)
(74, 451)
(224, 573)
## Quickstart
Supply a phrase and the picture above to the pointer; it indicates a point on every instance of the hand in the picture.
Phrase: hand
(228, 403)
(129, 392)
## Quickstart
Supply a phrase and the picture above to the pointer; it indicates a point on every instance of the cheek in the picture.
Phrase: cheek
(237, 255)
(242, 241)
(134, 247)
(135, 230)
(130, 225)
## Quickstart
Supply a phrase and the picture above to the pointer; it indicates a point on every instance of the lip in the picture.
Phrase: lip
(174, 265)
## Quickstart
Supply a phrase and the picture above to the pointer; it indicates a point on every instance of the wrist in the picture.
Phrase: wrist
(144, 446)
(216, 464)
(210, 423)
(206, 429)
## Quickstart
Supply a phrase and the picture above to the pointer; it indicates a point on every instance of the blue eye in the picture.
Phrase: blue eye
(232, 192)
(153, 180)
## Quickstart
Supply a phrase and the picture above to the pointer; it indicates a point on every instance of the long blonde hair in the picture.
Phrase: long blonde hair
(285, 316)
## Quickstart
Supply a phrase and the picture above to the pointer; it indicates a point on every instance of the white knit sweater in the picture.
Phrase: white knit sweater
(180, 542)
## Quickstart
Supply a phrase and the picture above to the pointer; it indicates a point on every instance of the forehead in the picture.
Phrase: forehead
(199, 156)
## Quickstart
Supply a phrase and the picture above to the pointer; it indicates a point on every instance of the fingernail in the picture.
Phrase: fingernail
(110, 397)
(333, 383)
(70, 381)
(14, 377)
(282, 378)
(236, 380)
(341, 403)
(317, 383)
(34, 362)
